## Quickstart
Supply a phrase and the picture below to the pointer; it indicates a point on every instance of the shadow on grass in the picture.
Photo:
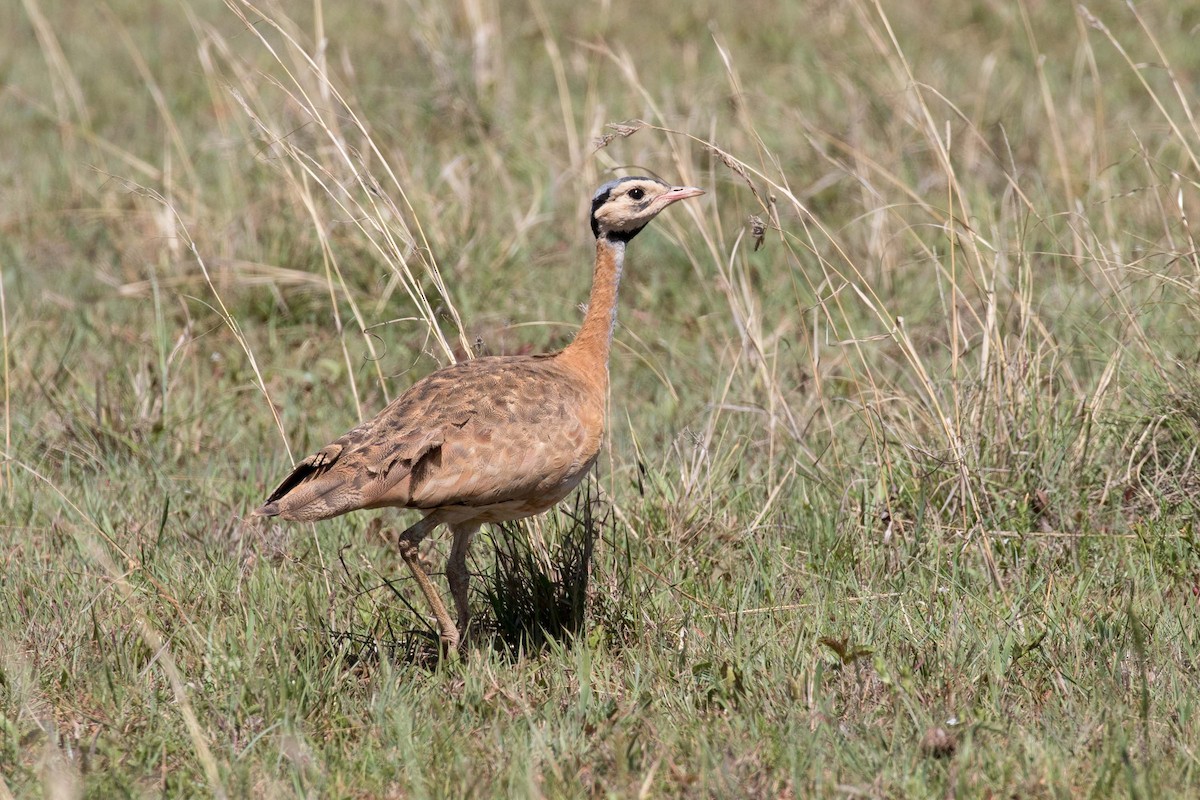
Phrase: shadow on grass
(537, 591)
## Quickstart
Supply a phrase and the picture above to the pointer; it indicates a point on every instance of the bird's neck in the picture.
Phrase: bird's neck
(594, 340)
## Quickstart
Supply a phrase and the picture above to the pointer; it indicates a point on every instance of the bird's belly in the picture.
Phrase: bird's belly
(540, 500)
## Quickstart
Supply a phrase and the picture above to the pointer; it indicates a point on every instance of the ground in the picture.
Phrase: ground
(900, 492)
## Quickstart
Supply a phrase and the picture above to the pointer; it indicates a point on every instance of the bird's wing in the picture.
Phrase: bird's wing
(482, 432)
(529, 433)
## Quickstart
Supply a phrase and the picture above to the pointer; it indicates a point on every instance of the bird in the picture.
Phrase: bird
(487, 440)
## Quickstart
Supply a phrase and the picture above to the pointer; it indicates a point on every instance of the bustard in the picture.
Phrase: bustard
(488, 440)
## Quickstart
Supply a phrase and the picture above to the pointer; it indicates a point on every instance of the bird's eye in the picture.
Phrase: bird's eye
(637, 194)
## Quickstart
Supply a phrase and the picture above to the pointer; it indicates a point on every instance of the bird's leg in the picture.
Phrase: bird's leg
(456, 571)
(409, 544)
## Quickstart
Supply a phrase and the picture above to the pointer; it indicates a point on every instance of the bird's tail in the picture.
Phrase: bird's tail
(313, 491)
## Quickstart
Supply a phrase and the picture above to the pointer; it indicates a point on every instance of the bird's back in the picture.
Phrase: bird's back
(509, 436)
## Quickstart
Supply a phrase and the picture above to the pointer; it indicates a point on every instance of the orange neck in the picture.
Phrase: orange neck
(594, 340)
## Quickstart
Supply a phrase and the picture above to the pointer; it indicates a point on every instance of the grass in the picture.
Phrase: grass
(900, 493)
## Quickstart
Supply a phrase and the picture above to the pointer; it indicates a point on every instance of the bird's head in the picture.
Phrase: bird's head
(621, 208)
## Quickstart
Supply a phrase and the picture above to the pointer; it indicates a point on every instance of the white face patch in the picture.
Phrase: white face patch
(626, 205)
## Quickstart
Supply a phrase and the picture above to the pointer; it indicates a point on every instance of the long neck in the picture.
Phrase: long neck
(594, 339)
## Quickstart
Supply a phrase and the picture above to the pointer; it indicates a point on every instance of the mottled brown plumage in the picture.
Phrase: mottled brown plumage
(475, 435)
(488, 440)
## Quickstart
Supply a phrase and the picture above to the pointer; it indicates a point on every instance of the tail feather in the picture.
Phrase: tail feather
(306, 493)
(346, 476)
(266, 510)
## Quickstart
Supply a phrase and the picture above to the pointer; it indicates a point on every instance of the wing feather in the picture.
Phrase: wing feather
(477, 433)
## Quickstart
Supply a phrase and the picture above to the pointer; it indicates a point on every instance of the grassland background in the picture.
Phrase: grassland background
(902, 503)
